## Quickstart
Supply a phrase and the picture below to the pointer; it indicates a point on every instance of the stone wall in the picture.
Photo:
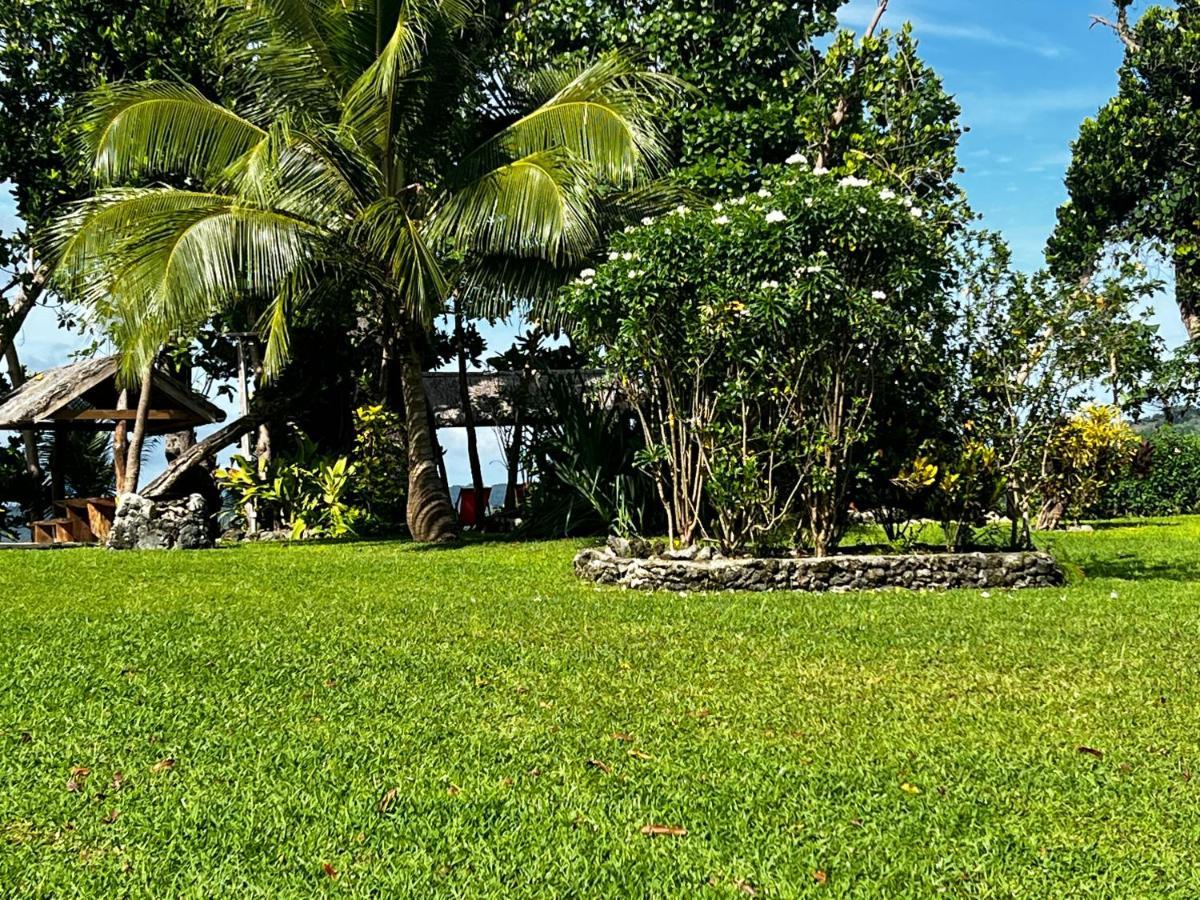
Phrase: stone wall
(701, 569)
(143, 524)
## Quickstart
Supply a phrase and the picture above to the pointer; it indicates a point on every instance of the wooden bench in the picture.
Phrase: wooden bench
(82, 521)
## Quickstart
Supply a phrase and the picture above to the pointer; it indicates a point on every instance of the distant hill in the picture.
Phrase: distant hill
(1188, 422)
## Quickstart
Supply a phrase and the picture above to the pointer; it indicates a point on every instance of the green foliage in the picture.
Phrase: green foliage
(750, 336)
(1163, 480)
(1027, 351)
(296, 687)
(768, 81)
(584, 462)
(1133, 176)
(958, 490)
(303, 491)
(1086, 453)
(379, 478)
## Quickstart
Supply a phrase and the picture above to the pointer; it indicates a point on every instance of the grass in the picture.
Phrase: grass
(474, 722)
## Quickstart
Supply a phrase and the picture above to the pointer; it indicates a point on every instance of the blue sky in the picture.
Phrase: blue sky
(1026, 73)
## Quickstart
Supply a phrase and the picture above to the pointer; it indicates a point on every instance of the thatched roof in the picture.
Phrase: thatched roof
(82, 396)
(492, 393)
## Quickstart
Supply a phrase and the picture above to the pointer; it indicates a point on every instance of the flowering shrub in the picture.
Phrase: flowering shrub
(751, 337)
(1164, 479)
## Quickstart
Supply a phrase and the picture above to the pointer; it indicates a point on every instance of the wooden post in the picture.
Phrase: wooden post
(58, 477)
(244, 407)
(120, 442)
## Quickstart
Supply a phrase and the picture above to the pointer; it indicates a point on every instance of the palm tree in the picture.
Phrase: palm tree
(366, 149)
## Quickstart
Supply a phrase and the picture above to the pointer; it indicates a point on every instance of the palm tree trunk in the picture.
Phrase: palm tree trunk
(431, 517)
(121, 443)
(133, 464)
(464, 398)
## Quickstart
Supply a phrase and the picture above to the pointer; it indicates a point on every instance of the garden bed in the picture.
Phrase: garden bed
(702, 569)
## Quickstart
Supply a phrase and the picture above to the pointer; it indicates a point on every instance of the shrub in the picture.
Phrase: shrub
(303, 491)
(1086, 453)
(586, 476)
(1163, 480)
(751, 339)
(380, 483)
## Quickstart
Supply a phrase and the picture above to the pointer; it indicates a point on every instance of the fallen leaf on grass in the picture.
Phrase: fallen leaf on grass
(26, 737)
(119, 781)
(745, 887)
(639, 754)
(700, 713)
(910, 788)
(602, 766)
(1090, 751)
(820, 877)
(111, 816)
(623, 736)
(79, 775)
(387, 801)
(453, 789)
(163, 765)
(330, 871)
(663, 830)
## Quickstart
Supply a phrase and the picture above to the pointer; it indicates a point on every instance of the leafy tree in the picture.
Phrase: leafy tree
(367, 151)
(1028, 349)
(769, 81)
(1133, 177)
(50, 52)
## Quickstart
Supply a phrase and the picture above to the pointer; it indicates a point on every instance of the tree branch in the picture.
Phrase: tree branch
(1120, 27)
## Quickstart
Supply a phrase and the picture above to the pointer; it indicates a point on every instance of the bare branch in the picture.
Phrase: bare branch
(879, 11)
(1120, 27)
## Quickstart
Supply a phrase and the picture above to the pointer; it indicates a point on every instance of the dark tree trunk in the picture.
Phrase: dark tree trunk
(16, 376)
(431, 516)
(464, 398)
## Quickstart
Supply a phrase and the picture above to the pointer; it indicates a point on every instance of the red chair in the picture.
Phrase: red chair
(472, 506)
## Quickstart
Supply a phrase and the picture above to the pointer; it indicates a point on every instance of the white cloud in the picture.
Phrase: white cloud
(858, 14)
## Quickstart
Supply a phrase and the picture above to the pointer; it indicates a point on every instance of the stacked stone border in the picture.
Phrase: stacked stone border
(703, 570)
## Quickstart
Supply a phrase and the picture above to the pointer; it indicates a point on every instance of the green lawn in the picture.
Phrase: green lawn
(475, 722)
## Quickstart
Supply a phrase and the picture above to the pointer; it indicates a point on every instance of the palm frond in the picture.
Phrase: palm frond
(158, 128)
(389, 235)
(537, 206)
(603, 113)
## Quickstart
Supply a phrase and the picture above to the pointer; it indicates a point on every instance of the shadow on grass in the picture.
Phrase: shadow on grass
(1133, 569)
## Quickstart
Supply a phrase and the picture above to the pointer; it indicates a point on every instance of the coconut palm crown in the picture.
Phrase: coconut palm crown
(371, 143)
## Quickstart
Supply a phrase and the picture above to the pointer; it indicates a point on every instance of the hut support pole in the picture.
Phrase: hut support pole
(58, 479)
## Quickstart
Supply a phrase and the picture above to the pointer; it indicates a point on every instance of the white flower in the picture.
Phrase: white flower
(634, 273)
(763, 192)
(808, 201)
(626, 256)
(648, 220)
(915, 212)
(887, 194)
(985, 595)
(776, 216)
(851, 181)
(587, 274)
(737, 201)
(878, 295)
(612, 255)
(1113, 595)
(718, 206)
(813, 270)
(796, 160)
(721, 220)
(908, 201)
(862, 210)
(769, 285)
(679, 210)
(628, 228)
(820, 170)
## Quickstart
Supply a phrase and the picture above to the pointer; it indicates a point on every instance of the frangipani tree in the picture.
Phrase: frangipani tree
(366, 149)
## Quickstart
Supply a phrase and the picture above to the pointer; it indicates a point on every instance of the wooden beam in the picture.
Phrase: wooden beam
(123, 415)
(196, 453)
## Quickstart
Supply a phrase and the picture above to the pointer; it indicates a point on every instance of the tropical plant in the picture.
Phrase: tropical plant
(1163, 479)
(305, 492)
(367, 149)
(379, 456)
(1090, 450)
